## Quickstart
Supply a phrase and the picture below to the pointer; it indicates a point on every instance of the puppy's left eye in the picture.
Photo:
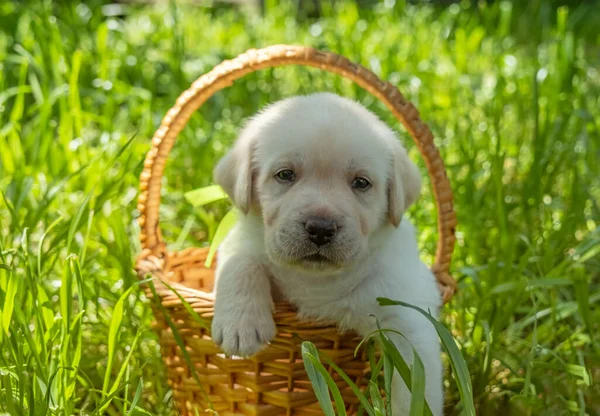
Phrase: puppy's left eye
(361, 184)
(285, 175)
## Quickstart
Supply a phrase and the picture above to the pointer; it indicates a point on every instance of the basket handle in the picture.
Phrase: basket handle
(223, 76)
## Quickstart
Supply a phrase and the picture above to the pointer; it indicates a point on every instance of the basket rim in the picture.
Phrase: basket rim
(225, 73)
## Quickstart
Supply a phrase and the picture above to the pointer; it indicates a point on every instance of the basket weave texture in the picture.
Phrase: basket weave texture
(273, 382)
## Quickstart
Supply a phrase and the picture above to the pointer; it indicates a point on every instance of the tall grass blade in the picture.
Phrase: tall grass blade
(417, 399)
(378, 404)
(136, 397)
(459, 367)
(206, 195)
(225, 226)
(197, 318)
(10, 293)
(321, 381)
(355, 389)
(388, 373)
(113, 333)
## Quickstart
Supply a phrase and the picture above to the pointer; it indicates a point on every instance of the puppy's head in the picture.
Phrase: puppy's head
(324, 174)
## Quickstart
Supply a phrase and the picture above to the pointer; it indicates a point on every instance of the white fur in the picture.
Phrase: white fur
(327, 140)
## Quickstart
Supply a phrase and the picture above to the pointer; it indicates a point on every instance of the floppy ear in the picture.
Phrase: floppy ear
(234, 173)
(404, 184)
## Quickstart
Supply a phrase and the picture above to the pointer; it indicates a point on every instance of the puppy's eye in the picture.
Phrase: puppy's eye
(285, 175)
(361, 184)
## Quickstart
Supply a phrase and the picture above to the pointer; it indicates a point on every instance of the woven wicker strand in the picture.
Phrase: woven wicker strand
(272, 382)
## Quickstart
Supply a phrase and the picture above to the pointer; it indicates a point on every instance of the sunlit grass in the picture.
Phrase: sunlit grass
(510, 91)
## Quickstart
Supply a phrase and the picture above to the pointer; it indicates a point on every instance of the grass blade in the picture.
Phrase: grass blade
(6, 311)
(136, 397)
(459, 367)
(113, 333)
(378, 404)
(206, 195)
(417, 399)
(321, 380)
(388, 372)
(390, 350)
(225, 226)
(197, 318)
(125, 364)
(357, 392)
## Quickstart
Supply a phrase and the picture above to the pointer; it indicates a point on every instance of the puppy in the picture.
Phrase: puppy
(323, 185)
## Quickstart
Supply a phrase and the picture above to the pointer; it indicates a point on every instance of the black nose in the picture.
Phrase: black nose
(320, 230)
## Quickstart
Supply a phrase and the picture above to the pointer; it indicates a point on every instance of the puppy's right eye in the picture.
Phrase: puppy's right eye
(361, 184)
(285, 175)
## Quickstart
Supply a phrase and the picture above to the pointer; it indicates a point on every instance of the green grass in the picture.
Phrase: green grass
(511, 92)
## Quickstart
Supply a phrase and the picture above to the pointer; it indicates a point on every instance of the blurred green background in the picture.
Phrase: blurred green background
(511, 91)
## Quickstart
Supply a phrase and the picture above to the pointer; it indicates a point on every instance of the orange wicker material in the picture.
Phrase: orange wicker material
(272, 382)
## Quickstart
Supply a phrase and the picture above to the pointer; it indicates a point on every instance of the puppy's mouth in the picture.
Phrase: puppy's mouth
(316, 258)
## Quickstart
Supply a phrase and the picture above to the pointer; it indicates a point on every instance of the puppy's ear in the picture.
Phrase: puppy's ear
(404, 184)
(234, 173)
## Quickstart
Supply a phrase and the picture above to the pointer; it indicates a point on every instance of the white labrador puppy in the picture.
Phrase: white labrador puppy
(323, 184)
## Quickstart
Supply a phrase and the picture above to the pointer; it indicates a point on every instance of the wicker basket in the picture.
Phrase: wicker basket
(272, 382)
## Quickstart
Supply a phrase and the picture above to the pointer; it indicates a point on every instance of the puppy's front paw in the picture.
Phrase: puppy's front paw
(243, 331)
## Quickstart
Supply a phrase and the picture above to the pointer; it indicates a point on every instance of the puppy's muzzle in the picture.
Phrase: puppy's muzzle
(320, 230)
